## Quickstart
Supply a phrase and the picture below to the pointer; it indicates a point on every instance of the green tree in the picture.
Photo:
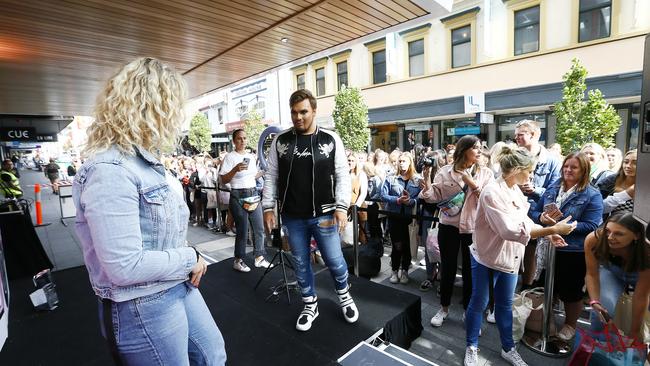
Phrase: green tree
(200, 135)
(580, 121)
(351, 119)
(253, 127)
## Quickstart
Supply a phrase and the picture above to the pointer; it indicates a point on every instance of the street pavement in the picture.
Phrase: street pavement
(444, 345)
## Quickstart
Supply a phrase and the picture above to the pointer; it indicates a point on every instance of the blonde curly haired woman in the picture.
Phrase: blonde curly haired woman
(132, 224)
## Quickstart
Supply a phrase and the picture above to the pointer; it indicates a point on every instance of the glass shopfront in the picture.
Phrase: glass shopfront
(420, 133)
(384, 137)
(452, 130)
(507, 123)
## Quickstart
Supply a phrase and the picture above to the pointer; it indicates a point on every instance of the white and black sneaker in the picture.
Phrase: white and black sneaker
(350, 311)
(471, 356)
(308, 314)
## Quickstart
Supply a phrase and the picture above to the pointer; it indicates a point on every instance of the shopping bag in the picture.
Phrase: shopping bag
(433, 249)
(212, 199)
(535, 320)
(623, 317)
(347, 235)
(606, 348)
(522, 306)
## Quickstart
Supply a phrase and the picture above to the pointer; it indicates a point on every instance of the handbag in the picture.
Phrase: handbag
(606, 348)
(522, 306)
(452, 205)
(433, 249)
(212, 199)
(250, 204)
(623, 317)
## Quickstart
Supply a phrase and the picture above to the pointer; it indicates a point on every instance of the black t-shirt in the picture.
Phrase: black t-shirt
(300, 201)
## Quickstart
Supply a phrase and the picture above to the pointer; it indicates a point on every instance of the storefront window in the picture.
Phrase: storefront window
(417, 134)
(506, 127)
(453, 130)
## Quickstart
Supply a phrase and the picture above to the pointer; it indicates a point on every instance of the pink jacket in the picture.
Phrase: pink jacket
(446, 184)
(502, 227)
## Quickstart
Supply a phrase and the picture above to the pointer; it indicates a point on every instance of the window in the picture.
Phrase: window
(379, 67)
(461, 46)
(342, 74)
(416, 57)
(300, 81)
(595, 19)
(506, 126)
(220, 114)
(320, 81)
(527, 30)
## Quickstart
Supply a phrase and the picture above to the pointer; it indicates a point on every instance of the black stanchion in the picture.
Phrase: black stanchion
(355, 239)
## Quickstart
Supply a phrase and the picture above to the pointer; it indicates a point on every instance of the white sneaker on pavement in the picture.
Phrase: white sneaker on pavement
(439, 318)
(403, 277)
(513, 357)
(490, 317)
(261, 262)
(471, 356)
(240, 266)
(394, 278)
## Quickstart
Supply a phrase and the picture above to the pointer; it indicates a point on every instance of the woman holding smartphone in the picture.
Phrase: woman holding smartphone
(464, 178)
(571, 196)
(399, 193)
(240, 170)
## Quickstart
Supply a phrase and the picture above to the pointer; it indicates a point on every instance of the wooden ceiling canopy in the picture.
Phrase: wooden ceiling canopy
(56, 55)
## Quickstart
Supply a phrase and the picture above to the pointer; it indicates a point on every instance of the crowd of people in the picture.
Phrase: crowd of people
(500, 207)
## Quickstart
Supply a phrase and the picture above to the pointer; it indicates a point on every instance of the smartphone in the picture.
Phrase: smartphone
(550, 207)
(246, 161)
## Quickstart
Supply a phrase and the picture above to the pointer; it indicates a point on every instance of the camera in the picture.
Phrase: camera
(427, 161)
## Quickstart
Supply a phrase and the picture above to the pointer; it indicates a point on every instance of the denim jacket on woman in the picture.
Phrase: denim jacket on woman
(132, 223)
(392, 189)
(585, 207)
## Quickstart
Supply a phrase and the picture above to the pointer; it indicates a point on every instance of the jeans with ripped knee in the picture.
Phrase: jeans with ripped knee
(325, 231)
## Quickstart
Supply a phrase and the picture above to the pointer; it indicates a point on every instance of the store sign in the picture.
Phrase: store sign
(46, 138)
(17, 134)
(249, 89)
(474, 103)
(462, 131)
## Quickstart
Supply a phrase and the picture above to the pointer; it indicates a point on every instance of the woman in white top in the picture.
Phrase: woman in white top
(502, 232)
(239, 168)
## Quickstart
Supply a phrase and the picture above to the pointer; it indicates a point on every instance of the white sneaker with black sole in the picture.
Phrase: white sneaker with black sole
(349, 308)
(240, 266)
(513, 357)
(308, 314)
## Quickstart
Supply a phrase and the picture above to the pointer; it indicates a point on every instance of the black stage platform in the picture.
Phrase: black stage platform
(256, 332)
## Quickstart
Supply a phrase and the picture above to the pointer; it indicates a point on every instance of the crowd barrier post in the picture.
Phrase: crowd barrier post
(355, 239)
(546, 345)
(39, 208)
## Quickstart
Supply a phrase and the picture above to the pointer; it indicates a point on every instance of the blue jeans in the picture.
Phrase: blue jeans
(325, 230)
(170, 327)
(242, 218)
(613, 281)
(504, 290)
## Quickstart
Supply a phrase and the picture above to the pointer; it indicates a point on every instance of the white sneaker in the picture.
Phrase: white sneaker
(308, 314)
(440, 317)
(394, 278)
(350, 311)
(240, 266)
(230, 233)
(471, 356)
(403, 277)
(490, 317)
(262, 263)
(513, 357)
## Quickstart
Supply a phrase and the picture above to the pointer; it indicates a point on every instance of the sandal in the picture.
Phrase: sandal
(426, 285)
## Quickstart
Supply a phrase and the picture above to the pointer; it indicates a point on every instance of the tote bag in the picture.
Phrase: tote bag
(522, 306)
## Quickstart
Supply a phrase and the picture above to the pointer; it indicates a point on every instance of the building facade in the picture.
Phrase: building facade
(484, 67)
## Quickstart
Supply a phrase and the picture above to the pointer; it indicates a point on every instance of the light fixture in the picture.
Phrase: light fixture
(284, 39)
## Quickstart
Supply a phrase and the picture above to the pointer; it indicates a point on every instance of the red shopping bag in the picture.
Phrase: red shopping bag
(606, 348)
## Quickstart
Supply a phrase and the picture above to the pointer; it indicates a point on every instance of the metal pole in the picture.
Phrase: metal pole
(355, 239)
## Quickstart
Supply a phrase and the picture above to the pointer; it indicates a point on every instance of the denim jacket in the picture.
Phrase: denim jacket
(547, 171)
(585, 207)
(132, 223)
(392, 189)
